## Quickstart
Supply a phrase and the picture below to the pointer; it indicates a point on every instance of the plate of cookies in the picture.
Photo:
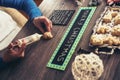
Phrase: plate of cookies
(106, 32)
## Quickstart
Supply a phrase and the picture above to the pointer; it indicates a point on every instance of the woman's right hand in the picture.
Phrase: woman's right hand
(42, 19)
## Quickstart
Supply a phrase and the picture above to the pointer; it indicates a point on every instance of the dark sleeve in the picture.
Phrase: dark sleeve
(28, 6)
(2, 63)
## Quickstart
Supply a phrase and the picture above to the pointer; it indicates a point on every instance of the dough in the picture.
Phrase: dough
(47, 35)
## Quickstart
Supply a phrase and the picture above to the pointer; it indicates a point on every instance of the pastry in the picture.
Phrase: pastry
(116, 31)
(116, 41)
(115, 8)
(102, 29)
(112, 40)
(97, 40)
(107, 18)
(87, 67)
(117, 20)
(47, 35)
(114, 13)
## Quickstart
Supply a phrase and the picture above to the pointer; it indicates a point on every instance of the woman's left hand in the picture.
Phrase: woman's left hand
(15, 51)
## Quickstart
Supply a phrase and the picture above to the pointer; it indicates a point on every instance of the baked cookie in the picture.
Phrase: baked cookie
(97, 39)
(114, 8)
(116, 30)
(114, 13)
(107, 18)
(112, 40)
(117, 20)
(47, 35)
(87, 67)
(102, 29)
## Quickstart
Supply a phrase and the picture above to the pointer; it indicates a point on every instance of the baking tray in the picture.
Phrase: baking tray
(106, 32)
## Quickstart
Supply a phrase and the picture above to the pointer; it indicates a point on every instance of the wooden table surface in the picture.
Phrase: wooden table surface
(33, 66)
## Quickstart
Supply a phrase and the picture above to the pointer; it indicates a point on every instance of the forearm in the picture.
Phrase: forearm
(28, 6)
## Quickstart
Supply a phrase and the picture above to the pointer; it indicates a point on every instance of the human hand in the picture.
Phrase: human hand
(15, 51)
(110, 2)
(116, 0)
(42, 19)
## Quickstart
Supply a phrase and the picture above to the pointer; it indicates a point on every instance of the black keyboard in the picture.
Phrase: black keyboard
(61, 17)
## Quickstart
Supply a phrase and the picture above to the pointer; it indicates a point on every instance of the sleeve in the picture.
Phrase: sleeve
(2, 63)
(28, 6)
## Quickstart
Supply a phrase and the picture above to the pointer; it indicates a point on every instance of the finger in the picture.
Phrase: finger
(23, 43)
(15, 50)
(49, 26)
(47, 22)
(22, 48)
(41, 29)
(10, 45)
(37, 23)
(22, 54)
(12, 52)
(15, 53)
(39, 26)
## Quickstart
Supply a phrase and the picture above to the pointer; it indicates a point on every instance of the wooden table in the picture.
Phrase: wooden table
(33, 66)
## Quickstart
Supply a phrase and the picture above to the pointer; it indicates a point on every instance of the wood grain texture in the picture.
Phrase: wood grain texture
(33, 66)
